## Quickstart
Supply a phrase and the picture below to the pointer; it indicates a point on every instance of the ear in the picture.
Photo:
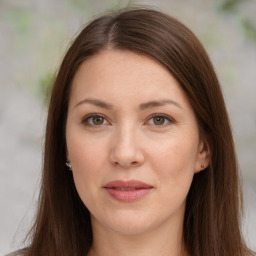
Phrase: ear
(68, 163)
(67, 154)
(203, 155)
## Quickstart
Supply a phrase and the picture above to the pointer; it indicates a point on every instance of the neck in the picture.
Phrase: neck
(166, 240)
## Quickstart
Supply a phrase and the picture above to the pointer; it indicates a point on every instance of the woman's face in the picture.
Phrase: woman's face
(133, 142)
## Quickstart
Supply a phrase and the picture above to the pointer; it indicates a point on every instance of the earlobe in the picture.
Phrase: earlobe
(203, 156)
(68, 162)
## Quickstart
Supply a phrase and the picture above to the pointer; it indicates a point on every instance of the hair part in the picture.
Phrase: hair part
(212, 216)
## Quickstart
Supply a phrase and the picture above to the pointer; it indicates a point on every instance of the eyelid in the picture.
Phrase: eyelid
(85, 119)
(171, 120)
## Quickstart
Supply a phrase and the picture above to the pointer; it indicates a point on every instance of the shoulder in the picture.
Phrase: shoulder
(17, 253)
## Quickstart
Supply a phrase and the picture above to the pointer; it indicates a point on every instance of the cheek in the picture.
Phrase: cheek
(84, 151)
(176, 155)
(87, 159)
(175, 166)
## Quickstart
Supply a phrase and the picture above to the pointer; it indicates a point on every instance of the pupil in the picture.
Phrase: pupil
(98, 120)
(159, 120)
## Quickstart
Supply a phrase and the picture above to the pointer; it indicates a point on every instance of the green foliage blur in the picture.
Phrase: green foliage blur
(233, 7)
(43, 34)
(45, 87)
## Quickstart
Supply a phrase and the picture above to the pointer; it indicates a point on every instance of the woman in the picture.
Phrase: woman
(139, 156)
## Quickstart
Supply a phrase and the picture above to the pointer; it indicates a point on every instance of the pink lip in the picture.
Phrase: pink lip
(127, 191)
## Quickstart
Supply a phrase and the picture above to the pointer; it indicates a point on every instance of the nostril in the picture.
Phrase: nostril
(134, 163)
(125, 158)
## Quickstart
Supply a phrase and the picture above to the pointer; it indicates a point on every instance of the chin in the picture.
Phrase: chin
(130, 223)
(134, 228)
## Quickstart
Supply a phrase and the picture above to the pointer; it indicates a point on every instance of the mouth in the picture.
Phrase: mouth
(127, 191)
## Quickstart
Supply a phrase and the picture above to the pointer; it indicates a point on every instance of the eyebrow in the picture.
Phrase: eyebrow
(96, 102)
(158, 103)
(142, 106)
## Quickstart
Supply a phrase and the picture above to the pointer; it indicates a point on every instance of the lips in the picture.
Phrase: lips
(127, 191)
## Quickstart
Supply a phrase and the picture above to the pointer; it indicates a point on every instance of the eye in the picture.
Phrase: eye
(94, 120)
(160, 120)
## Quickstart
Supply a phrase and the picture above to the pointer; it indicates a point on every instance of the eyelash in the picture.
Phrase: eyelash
(170, 120)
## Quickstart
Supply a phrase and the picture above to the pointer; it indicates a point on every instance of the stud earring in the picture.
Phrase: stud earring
(68, 164)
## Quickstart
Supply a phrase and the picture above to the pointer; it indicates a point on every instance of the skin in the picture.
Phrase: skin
(130, 144)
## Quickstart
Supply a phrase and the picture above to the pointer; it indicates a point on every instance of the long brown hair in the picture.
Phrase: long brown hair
(212, 216)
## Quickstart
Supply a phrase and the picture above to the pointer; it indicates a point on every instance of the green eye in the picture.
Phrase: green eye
(97, 120)
(159, 120)
(94, 120)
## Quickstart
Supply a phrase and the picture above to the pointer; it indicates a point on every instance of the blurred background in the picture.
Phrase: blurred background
(34, 36)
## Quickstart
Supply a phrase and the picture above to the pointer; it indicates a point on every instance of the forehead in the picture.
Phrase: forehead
(124, 75)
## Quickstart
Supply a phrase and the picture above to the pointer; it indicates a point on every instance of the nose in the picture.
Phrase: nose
(126, 149)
